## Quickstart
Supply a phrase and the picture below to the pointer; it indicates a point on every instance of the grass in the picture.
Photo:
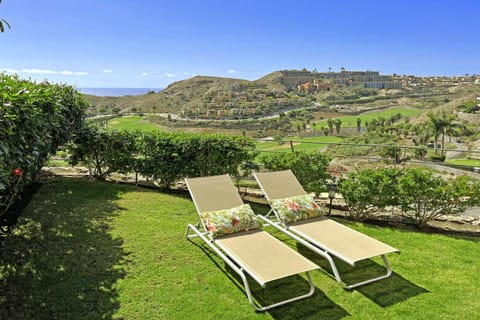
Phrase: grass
(465, 162)
(89, 250)
(351, 121)
(132, 123)
(300, 144)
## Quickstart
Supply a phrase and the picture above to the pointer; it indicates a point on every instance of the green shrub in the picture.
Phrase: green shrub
(162, 156)
(35, 120)
(370, 187)
(424, 196)
(104, 151)
(309, 168)
(437, 158)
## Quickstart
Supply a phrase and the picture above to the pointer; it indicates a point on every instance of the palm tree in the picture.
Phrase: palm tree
(437, 127)
(450, 128)
(330, 125)
(441, 125)
(337, 123)
(3, 23)
(422, 135)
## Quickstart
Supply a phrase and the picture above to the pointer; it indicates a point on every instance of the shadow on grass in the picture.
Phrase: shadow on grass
(319, 306)
(384, 293)
(60, 262)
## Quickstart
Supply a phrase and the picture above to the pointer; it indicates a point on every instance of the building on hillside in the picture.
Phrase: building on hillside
(310, 82)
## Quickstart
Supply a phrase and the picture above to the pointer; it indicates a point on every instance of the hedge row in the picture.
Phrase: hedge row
(161, 156)
(35, 119)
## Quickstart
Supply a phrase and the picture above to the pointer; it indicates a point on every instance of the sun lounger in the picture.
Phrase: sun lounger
(230, 228)
(300, 217)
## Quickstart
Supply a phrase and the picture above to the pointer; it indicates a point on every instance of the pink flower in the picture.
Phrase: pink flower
(292, 205)
(17, 172)
(211, 227)
(315, 205)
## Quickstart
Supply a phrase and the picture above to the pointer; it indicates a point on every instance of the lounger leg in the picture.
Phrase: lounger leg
(277, 304)
(388, 274)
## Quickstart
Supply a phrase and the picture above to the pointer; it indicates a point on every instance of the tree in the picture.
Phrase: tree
(3, 23)
(422, 135)
(359, 124)
(370, 187)
(337, 123)
(330, 125)
(436, 126)
(357, 193)
(452, 129)
(424, 196)
(442, 124)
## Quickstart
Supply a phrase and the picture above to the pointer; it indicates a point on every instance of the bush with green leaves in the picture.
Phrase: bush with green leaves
(309, 168)
(171, 156)
(36, 118)
(423, 196)
(104, 151)
(160, 156)
(369, 188)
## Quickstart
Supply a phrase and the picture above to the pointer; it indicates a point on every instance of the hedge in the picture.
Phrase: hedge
(35, 119)
(160, 156)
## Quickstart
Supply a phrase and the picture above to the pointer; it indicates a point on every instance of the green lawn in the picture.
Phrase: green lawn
(465, 162)
(132, 123)
(351, 121)
(300, 144)
(88, 250)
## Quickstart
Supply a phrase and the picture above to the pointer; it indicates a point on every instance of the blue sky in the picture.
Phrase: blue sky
(106, 43)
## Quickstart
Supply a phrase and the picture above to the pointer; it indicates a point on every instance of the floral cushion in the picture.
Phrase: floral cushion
(296, 208)
(229, 221)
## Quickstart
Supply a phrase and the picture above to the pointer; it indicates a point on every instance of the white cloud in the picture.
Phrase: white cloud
(46, 71)
(169, 75)
(71, 73)
(10, 70)
(231, 71)
(38, 71)
(188, 73)
(144, 74)
(107, 70)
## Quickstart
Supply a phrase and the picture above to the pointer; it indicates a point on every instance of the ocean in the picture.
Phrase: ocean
(116, 92)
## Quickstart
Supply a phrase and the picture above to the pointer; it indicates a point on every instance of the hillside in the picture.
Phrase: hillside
(200, 95)
(206, 97)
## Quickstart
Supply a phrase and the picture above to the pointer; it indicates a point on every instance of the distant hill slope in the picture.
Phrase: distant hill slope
(199, 92)
(229, 98)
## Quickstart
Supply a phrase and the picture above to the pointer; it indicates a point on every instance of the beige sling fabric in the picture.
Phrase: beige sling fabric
(279, 184)
(264, 256)
(341, 241)
(213, 193)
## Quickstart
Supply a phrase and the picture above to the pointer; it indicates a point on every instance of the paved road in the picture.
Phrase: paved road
(460, 148)
(475, 212)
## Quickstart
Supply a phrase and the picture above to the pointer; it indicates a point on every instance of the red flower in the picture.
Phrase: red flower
(17, 172)
(315, 205)
(235, 221)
